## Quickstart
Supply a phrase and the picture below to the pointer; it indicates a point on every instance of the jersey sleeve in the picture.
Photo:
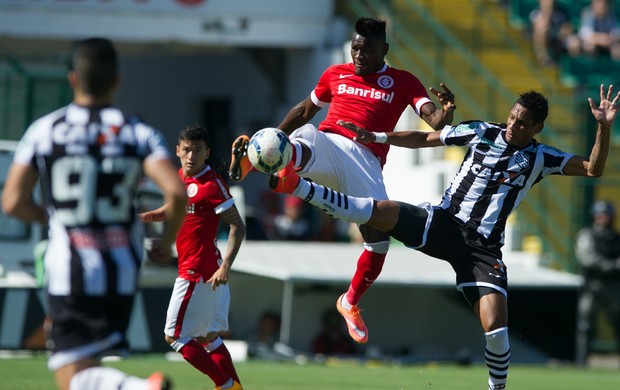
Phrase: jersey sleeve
(26, 149)
(554, 160)
(321, 94)
(461, 134)
(218, 195)
(419, 96)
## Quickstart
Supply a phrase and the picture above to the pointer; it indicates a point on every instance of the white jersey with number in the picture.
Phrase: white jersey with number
(90, 163)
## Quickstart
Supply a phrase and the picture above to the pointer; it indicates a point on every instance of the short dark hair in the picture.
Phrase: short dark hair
(371, 27)
(95, 62)
(536, 103)
(194, 133)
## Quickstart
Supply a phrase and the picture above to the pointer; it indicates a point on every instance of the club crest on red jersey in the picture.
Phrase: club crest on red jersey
(192, 190)
(385, 81)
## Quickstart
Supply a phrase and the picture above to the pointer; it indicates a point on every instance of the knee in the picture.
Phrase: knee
(492, 311)
(494, 320)
(169, 339)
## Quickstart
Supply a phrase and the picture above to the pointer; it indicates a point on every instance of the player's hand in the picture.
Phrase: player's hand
(605, 113)
(219, 277)
(445, 97)
(159, 253)
(361, 135)
(151, 216)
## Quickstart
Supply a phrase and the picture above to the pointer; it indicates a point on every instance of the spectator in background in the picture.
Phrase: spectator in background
(551, 28)
(293, 224)
(265, 343)
(335, 230)
(332, 338)
(599, 31)
(598, 251)
(261, 216)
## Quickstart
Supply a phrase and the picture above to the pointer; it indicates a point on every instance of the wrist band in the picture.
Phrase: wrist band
(380, 138)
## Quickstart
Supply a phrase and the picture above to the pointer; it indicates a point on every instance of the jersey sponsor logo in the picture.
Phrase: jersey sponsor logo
(385, 82)
(192, 190)
(110, 238)
(514, 179)
(490, 143)
(462, 127)
(371, 93)
(342, 76)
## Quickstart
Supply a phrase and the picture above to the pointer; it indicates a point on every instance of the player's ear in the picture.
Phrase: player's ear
(116, 82)
(386, 48)
(539, 127)
(72, 78)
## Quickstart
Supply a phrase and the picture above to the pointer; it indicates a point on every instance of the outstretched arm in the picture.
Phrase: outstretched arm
(157, 215)
(164, 174)
(439, 118)
(605, 115)
(412, 139)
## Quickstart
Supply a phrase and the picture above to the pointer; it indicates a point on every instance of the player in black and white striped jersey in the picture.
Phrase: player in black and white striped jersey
(466, 229)
(90, 157)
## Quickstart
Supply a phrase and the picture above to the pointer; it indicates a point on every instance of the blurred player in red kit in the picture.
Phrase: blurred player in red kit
(372, 95)
(198, 309)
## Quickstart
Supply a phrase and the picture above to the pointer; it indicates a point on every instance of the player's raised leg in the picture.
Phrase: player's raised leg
(240, 164)
(357, 210)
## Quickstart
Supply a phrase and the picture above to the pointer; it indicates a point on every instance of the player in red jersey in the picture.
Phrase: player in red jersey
(372, 95)
(198, 309)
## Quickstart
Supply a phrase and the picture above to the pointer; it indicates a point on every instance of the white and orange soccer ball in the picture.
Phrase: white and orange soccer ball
(270, 150)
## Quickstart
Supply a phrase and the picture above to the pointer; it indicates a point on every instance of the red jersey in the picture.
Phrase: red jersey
(207, 196)
(374, 102)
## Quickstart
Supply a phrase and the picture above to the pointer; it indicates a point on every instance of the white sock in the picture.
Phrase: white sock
(102, 378)
(341, 206)
(213, 345)
(298, 153)
(497, 357)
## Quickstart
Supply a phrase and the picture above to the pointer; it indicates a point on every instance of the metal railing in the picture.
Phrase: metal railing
(27, 92)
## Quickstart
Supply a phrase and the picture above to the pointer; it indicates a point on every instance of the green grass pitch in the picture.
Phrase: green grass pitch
(30, 373)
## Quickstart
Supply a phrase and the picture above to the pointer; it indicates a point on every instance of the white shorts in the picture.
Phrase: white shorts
(196, 310)
(340, 163)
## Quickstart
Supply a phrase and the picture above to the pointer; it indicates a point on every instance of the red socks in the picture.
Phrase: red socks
(221, 357)
(198, 357)
(368, 269)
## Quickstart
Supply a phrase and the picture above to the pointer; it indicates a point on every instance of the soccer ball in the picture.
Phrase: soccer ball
(270, 150)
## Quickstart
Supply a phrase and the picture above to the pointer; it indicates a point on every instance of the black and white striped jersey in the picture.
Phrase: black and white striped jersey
(90, 163)
(494, 176)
